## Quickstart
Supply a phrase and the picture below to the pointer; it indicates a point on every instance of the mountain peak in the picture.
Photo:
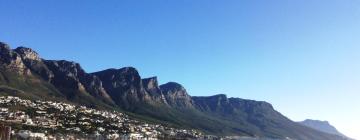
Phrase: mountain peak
(172, 86)
(216, 98)
(112, 75)
(25, 49)
(323, 126)
(11, 60)
(114, 71)
(5, 50)
(152, 87)
(27, 53)
(222, 96)
(150, 82)
(176, 95)
(317, 121)
(4, 46)
(128, 69)
(63, 65)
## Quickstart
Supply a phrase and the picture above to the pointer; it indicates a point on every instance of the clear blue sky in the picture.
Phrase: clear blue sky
(302, 56)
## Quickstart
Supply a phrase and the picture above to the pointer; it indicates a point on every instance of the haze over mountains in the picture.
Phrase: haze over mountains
(24, 73)
(323, 126)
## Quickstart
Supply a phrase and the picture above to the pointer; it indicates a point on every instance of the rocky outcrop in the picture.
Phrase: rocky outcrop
(11, 61)
(223, 106)
(6, 54)
(124, 86)
(94, 86)
(66, 76)
(212, 103)
(70, 78)
(28, 54)
(33, 61)
(125, 89)
(176, 95)
(152, 87)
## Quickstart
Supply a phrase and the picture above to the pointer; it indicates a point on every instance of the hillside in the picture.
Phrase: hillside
(323, 126)
(24, 73)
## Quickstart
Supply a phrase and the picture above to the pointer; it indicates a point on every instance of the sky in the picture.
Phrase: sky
(301, 56)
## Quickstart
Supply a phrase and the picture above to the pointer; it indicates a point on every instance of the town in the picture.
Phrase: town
(29, 119)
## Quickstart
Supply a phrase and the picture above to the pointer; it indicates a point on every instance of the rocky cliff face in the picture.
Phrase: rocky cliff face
(33, 61)
(125, 89)
(28, 54)
(213, 103)
(16, 74)
(176, 95)
(11, 61)
(68, 77)
(152, 87)
(124, 86)
(71, 79)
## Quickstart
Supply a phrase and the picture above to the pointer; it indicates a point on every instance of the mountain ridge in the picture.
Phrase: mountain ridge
(124, 89)
(323, 126)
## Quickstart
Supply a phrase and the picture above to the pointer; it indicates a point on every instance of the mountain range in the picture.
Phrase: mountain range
(24, 73)
(323, 126)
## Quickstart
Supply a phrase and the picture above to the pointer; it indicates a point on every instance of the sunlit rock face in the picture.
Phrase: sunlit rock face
(151, 85)
(33, 61)
(12, 61)
(176, 95)
(124, 89)
(28, 54)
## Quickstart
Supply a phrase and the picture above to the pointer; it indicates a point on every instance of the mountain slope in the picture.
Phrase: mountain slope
(24, 73)
(255, 118)
(32, 77)
(17, 79)
(323, 126)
